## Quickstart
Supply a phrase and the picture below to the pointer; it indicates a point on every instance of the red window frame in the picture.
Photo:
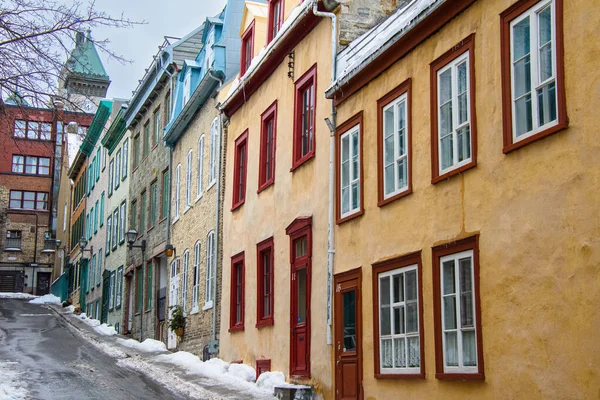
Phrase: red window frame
(238, 280)
(247, 45)
(307, 82)
(264, 248)
(271, 24)
(262, 365)
(471, 243)
(464, 46)
(351, 123)
(240, 171)
(267, 158)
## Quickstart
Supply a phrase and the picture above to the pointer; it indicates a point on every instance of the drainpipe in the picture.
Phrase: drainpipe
(331, 124)
(217, 225)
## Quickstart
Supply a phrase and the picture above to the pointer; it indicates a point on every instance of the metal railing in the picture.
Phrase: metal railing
(12, 244)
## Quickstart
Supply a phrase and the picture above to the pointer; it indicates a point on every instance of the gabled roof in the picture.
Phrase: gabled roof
(253, 10)
(84, 59)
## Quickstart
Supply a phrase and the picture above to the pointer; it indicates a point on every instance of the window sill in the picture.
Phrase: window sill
(395, 197)
(533, 138)
(350, 217)
(163, 219)
(187, 208)
(400, 376)
(238, 205)
(236, 328)
(135, 169)
(154, 147)
(265, 185)
(207, 306)
(459, 170)
(150, 229)
(175, 220)
(480, 376)
(147, 311)
(211, 184)
(298, 163)
(265, 322)
(194, 311)
(197, 198)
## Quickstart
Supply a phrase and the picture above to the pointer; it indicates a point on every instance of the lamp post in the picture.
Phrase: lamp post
(131, 238)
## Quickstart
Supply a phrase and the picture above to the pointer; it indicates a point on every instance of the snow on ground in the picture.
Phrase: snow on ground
(106, 330)
(268, 380)
(24, 296)
(148, 345)
(46, 299)
(11, 385)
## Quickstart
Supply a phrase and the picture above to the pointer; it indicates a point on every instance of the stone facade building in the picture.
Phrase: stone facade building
(195, 136)
(145, 118)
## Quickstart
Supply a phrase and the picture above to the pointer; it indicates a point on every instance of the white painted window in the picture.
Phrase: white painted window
(210, 244)
(65, 216)
(454, 114)
(186, 264)
(395, 147)
(176, 194)
(122, 222)
(186, 86)
(459, 336)
(99, 268)
(350, 172)
(188, 181)
(196, 287)
(111, 291)
(111, 170)
(399, 340)
(214, 147)
(200, 160)
(117, 176)
(125, 159)
(533, 72)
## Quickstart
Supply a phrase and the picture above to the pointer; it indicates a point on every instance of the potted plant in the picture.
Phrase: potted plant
(177, 321)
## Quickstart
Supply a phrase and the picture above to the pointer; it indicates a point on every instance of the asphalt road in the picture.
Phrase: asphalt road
(55, 363)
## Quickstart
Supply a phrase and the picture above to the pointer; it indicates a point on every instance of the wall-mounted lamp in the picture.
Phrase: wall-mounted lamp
(82, 244)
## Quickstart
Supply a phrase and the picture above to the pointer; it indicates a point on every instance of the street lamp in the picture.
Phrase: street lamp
(82, 244)
(132, 235)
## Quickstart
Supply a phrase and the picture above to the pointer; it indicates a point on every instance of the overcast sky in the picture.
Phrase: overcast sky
(140, 44)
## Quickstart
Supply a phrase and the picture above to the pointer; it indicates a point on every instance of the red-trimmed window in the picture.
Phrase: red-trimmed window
(453, 122)
(304, 117)
(533, 88)
(349, 177)
(398, 321)
(247, 52)
(265, 281)
(240, 170)
(275, 19)
(457, 310)
(268, 132)
(262, 365)
(236, 298)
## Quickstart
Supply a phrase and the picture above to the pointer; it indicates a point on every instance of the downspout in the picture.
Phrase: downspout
(217, 220)
(168, 224)
(331, 125)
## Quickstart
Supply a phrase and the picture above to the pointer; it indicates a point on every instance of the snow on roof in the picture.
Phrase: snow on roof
(375, 41)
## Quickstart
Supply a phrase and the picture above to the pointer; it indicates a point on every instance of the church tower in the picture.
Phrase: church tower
(84, 81)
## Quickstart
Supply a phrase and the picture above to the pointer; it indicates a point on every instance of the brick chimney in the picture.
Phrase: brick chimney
(358, 16)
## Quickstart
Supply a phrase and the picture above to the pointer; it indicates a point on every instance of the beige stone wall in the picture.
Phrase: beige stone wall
(536, 210)
(294, 194)
(194, 224)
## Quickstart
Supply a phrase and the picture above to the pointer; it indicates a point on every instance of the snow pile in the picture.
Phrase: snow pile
(24, 296)
(268, 380)
(11, 386)
(242, 371)
(148, 345)
(69, 309)
(89, 321)
(106, 330)
(46, 299)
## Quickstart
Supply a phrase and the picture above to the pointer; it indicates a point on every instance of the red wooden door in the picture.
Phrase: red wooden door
(348, 336)
(300, 309)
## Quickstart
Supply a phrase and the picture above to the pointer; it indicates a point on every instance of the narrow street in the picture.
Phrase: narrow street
(55, 363)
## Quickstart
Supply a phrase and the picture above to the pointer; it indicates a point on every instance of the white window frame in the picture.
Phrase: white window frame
(349, 134)
(188, 181)
(111, 170)
(459, 330)
(65, 216)
(122, 222)
(452, 66)
(125, 159)
(196, 287)
(534, 48)
(186, 87)
(200, 176)
(397, 156)
(99, 266)
(176, 193)
(184, 278)
(406, 336)
(116, 224)
(208, 293)
(117, 173)
(111, 291)
(214, 136)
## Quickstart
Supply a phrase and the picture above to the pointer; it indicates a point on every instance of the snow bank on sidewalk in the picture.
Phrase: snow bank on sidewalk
(24, 296)
(148, 345)
(11, 386)
(268, 380)
(46, 299)
(102, 329)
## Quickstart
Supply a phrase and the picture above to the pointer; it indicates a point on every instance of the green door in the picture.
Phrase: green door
(83, 279)
(105, 296)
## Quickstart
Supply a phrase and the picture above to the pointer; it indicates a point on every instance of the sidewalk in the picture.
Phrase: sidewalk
(181, 372)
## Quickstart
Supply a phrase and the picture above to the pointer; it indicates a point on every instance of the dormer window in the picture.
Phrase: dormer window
(186, 86)
(247, 48)
(275, 19)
